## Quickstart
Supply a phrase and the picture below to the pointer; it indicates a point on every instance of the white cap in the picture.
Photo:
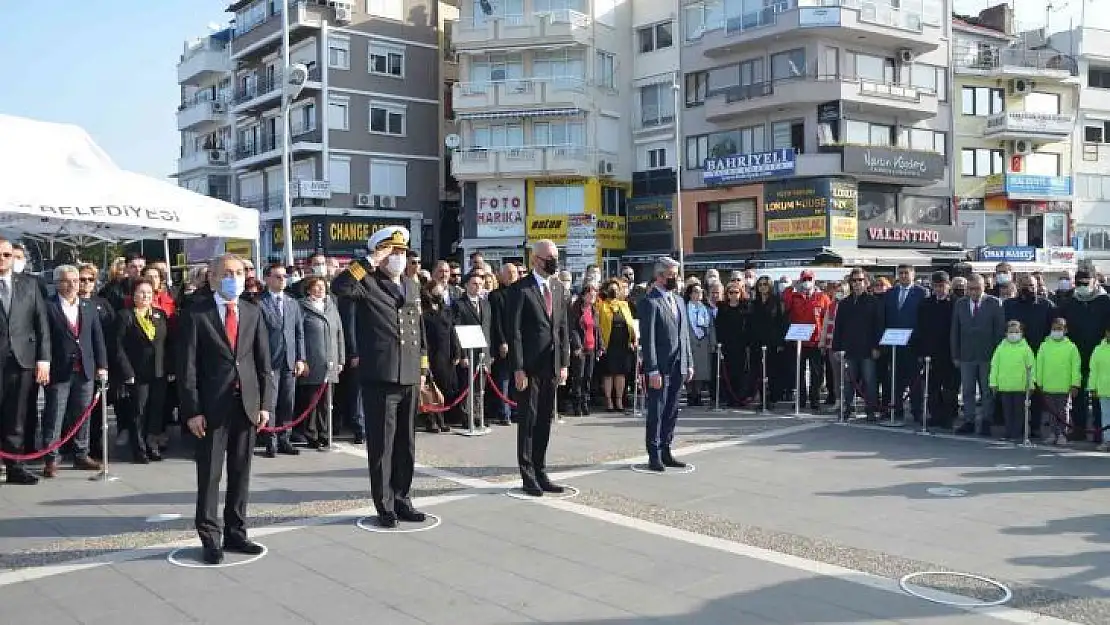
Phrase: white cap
(389, 236)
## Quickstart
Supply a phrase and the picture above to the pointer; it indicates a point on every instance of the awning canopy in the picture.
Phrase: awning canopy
(567, 112)
(56, 184)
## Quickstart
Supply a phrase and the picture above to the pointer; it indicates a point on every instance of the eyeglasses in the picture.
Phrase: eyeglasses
(6, 254)
(87, 279)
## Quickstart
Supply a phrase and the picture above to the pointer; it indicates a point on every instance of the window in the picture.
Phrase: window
(866, 133)
(606, 71)
(339, 115)
(931, 79)
(339, 174)
(1098, 77)
(656, 105)
(655, 37)
(982, 162)
(339, 53)
(702, 17)
(1039, 102)
(560, 64)
(559, 199)
(787, 65)
(697, 85)
(1096, 134)
(1042, 164)
(496, 68)
(498, 136)
(657, 158)
(559, 133)
(387, 118)
(389, 178)
(740, 141)
(982, 101)
(789, 134)
(734, 216)
(302, 119)
(386, 60)
(1092, 187)
(389, 9)
(1094, 238)
(876, 69)
(923, 140)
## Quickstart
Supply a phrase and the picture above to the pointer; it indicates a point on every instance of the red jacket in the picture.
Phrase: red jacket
(807, 309)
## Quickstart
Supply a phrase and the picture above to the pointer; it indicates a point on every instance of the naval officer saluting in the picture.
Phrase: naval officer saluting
(393, 361)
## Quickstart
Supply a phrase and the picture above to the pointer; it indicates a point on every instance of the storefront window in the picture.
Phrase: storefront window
(920, 210)
(1095, 238)
(735, 216)
(559, 200)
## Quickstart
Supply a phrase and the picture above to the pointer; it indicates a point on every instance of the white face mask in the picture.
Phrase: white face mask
(319, 270)
(1013, 337)
(395, 264)
(1082, 290)
(1058, 335)
(1063, 285)
(19, 265)
(807, 285)
(1002, 278)
(749, 282)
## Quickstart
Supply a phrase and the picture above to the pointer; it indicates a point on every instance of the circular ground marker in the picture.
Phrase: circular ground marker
(946, 491)
(924, 592)
(518, 493)
(643, 468)
(1013, 467)
(370, 524)
(165, 517)
(192, 558)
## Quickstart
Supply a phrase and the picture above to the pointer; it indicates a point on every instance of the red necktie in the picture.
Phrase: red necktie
(974, 308)
(547, 299)
(231, 325)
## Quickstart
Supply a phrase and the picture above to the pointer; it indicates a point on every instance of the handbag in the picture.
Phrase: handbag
(430, 396)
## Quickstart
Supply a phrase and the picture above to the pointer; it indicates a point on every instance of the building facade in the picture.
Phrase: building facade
(1016, 102)
(542, 113)
(812, 129)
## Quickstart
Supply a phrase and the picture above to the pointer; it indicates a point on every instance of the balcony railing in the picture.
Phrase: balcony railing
(577, 19)
(298, 132)
(207, 44)
(870, 12)
(988, 59)
(294, 7)
(202, 98)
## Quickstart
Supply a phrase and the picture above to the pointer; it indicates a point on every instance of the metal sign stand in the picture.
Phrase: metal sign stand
(717, 407)
(925, 400)
(895, 338)
(473, 340)
(846, 389)
(328, 407)
(104, 475)
(1025, 442)
(799, 333)
(763, 393)
(637, 392)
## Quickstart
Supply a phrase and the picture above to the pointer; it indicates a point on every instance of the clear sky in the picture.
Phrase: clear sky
(109, 66)
(1031, 13)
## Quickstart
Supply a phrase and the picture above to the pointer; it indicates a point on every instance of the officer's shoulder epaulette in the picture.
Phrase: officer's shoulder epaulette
(357, 271)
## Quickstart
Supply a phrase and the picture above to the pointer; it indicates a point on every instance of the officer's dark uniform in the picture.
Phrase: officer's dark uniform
(392, 358)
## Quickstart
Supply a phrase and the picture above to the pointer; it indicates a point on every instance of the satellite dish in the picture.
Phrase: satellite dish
(452, 141)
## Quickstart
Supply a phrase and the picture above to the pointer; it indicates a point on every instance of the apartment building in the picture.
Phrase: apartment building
(1091, 143)
(816, 128)
(543, 114)
(364, 132)
(1015, 120)
(204, 75)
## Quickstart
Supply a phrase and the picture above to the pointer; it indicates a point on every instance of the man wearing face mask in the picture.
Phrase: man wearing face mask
(539, 354)
(1064, 290)
(805, 303)
(934, 327)
(1003, 275)
(226, 393)
(1087, 314)
(900, 306)
(392, 351)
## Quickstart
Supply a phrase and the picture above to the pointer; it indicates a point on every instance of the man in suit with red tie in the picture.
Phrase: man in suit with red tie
(668, 361)
(226, 394)
(539, 353)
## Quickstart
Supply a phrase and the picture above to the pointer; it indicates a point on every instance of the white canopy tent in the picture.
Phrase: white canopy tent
(58, 186)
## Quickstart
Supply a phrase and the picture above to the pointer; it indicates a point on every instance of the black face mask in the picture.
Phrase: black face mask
(612, 293)
(959, 292)
(672, 284)
(1026, 294)
(551, 266)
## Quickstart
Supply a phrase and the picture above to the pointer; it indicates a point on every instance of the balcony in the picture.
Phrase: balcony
(1024, 125)
(536, 30)
(867, 96)
(476, 164)
(1016, 62)
(202, 158)
(265, 92)
(200, 113)
(267, 149)
(264, 37)
(202, 62)
(523, 93)
(846, 21)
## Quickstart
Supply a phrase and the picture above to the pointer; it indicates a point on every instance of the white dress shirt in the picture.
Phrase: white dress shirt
(71, 311)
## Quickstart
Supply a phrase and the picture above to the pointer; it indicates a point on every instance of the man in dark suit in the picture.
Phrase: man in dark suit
(499, 345)
(24, 357)
(900, 306)
(472, 310)
(392, 364)
(226, 394)
(78, 357)
(978, 326)
(667, 361)
(285, 328)
(539, 354)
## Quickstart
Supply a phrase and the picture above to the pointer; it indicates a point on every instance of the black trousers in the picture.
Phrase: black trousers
(944, 389)
(390, 442)
(145, 402)
(15, 389)
(32, 418)
(581, 376)
(235, 441)
(535, 407)
(316, 424)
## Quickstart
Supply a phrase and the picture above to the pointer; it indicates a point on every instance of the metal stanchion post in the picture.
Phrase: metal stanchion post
(895, 392)
(763, 392)
(636, 386)
(104, 475)
(482, 393)
(719, 373)
(798, 382)
(846, 390)
(470, 393)
(925, 398)
(328, 395)
(1028, 391)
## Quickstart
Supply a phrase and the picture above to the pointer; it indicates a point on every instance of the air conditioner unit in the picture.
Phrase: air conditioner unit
(604, 167)
(217, 157)
(219, 107)
(343, 13)
(387, 201)
(905, 56)
(363, 200)
(1022, 147)
(1021, 86)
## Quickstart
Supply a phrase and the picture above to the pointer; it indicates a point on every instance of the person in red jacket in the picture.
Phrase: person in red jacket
(805, 303)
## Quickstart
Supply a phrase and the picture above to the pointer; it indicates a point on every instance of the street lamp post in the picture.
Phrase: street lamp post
(676, 86)
(293, 79)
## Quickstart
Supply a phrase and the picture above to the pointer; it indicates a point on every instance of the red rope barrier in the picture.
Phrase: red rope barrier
(304, 415)
(723, 374)
(497, 391)
(916, 382)
(56, 445)
(427, 409)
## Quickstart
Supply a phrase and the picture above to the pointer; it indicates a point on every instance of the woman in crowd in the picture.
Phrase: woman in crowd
(585, 344)
(716, 298)
(324, 355)
(703, 344)
(618, 345)
(143, 364)
(443, 349)
(490, 284)
(731, 325)
(252, 290)
(767, 328)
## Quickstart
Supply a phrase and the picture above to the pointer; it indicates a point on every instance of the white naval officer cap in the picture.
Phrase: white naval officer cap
(389, 236)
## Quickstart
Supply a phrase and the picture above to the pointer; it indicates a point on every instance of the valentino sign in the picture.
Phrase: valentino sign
(891, 163)
(903, 235)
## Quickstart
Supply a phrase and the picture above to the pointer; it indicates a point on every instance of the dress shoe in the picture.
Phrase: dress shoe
(548, 486)
(287, 448)
(669, 461)
(21, 476)
(359, 439)
(387, 520)
(245, 547)
(154, 454)
(270, 452)
(432, 427)
(50, 469)
(86, 464)
(213, 556)
(313, 444)
(411, 515)
(140, 458)
(656, 466)
(533, 491)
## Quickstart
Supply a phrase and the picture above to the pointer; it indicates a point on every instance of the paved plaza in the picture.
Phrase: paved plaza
(785, 520)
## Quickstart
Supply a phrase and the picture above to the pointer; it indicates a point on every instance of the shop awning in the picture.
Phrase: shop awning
(563, 112)
(890, 257)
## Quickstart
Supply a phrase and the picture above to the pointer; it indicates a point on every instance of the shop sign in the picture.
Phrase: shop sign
(552, 227)
(1044, 186)
(348, 236)
(313, 189)
(817, 17)
(1061, 255)
(500, 211)
(893, 163)
(240, 247)
(649, 225)
(913, 236)
(740, 167)
(610, 232)
(1007, 253)
(307, 234)
(795, 213)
